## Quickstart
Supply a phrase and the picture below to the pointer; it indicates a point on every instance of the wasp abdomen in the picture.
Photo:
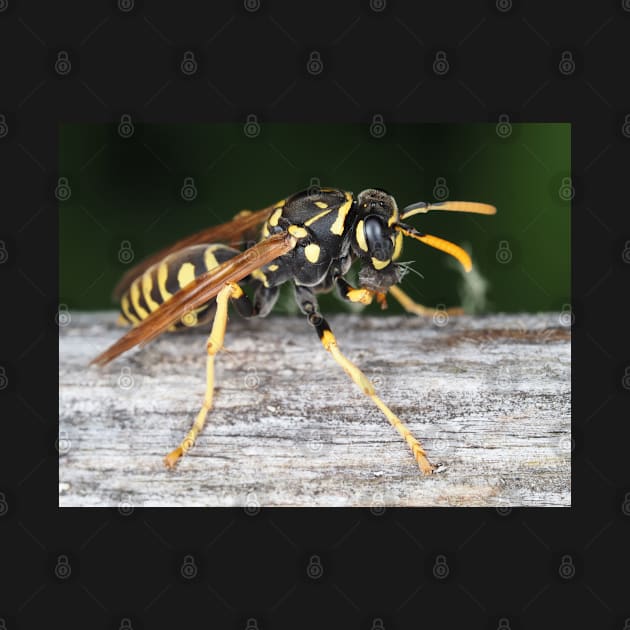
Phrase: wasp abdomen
(162, 280)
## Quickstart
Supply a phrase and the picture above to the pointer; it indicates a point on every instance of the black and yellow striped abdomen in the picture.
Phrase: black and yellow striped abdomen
(162, 280)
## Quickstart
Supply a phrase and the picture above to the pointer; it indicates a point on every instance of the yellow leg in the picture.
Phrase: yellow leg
(330, 343)
(418, 309)
(213, 345)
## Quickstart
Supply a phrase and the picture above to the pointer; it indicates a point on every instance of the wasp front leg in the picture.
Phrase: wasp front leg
(308, 304)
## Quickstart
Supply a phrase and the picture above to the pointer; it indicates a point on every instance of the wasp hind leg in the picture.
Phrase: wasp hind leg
(308, 304)
(418, 309)
(231, 291)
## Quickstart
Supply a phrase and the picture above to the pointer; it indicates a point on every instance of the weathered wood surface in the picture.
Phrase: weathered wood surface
(489, 397)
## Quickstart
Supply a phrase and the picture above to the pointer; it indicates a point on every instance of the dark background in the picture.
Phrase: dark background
(504, 57)
(140, 187)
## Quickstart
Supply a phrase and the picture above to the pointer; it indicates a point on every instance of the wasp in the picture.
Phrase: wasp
(310, 240)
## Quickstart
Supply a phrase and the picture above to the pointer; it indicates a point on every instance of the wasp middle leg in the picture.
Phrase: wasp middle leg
(308, 304)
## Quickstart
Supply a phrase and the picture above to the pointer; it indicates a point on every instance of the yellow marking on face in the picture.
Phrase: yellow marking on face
(257, 274)
(312, 252)
(321, 204)
(317, 217)
(274, 267)
(186, 274)
(209, 259)
(135, 299)
(124, 304)
(162, 275)
(342, 213)
(380, 264)
(265, 230)
(398, 244)
(273, 219)
(297, 231)
(147, 285)
(360, 234)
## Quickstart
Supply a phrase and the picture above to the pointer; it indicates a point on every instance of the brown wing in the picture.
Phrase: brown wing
(231, 233)
(198, 292)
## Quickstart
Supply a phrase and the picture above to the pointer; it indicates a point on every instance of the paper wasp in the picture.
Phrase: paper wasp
(311, 239)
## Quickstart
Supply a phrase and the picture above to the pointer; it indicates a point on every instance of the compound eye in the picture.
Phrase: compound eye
(378, 242)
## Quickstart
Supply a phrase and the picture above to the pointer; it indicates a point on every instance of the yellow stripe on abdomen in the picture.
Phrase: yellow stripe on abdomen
(135, 299)
(186, 274)
(162, 275)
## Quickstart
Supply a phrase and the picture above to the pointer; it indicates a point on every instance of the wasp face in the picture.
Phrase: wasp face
(375, 240)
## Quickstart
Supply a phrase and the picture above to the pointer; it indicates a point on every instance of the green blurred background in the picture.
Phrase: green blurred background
(126, 192)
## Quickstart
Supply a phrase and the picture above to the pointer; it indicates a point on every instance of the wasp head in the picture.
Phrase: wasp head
(375, 240)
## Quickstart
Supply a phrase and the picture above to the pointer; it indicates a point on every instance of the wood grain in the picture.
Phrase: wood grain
(489, 397)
